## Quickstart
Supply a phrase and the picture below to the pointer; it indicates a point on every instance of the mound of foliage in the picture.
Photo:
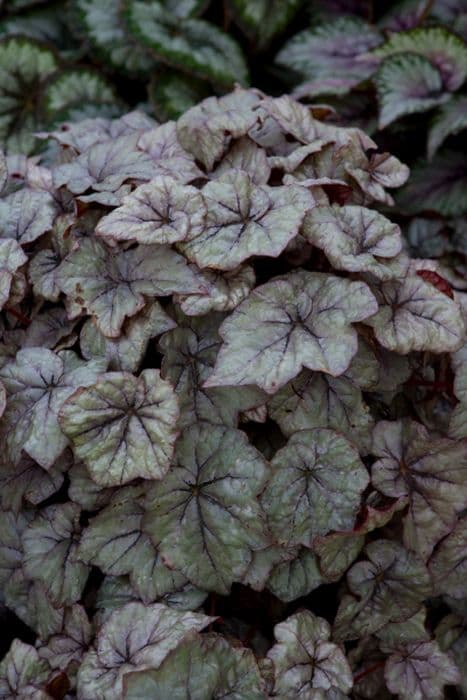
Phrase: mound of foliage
(233, 416)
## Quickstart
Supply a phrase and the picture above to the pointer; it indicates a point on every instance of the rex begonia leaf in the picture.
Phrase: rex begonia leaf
(262, 20)
(172, 93)
(389, 587)
(243, 220)
(23, 674)
(193, 45)
(420, 671)
(430, 473)
(204, 516)
(49, 328)
(64, 649)
(245, 155)
(206, 130)
(50, 543)
(112, 285)
(37, 382)
(190, 351)
(26, 215)
(297, 577)
(105, 166)
(316, 485)
(382, 170)
(306, 661)
(29, 481)
(167, 154)
(11, 548)
(225, 291)
(356, 239)
(115, 543)
(305, 321)
(25, 65)
(3, 171)
(438, 186)
(104, 28)
(83, 88)
(123, 427)
(12, 258)
(331, 49)
(202, 667)
(458, 420)
(135, 637)
(414, 315)
(445, 50)
(30, 602)
(316, 400)
(407, 83)
(84, 491)
(450, 119)
(448, 565)
(126, 352)
(160, 211)
(396, 634)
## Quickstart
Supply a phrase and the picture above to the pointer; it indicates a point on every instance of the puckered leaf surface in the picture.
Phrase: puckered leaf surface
(407, 83)
(420, 671)
(204, 515)
(415, 315)
(37, 382)
(430, 473)
(206, 130)
(245, 220)
(50, 553)
(114, 285)
(194, 45)
(160, 211)
(316, 485)
(382, 170)
(190, 352)
(304, 659)
(169, 158)
(389, 587)
(245, 155)
(12, 258)
(306, 322)
(133, 638)
(123, 427)
(356, 239)
(23, 674)
(202, 667)
(225, 291)
(448, 565)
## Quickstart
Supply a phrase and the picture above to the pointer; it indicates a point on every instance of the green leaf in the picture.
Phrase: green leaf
(407, 83)
(331, 49)
(244, 220)
(305, 661)
(190, 352)
(37, 382)
(171, 93)
(389, 587)
(76, 87)
(356, 239)
(420, 670)
(438, 186)
(297, 577)
(414, 315)
(160, 211)
(306, 321)
(114, 542)
(123, 427)
(50, 543)
(203, 667)
(430, 473)
(193, 45)
(204, 516)
(263, 20)
(101, 23)
(316, 486)
(445, 50)
(126, 352)
(450, 119)
(133, 638)
(25, 65)
(115, 285)
(23, 674)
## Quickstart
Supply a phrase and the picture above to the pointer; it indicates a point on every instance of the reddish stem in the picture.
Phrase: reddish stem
(18, 315)
(367, 671)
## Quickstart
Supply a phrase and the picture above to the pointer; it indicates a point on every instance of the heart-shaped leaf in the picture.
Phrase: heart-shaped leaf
(123, 427)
